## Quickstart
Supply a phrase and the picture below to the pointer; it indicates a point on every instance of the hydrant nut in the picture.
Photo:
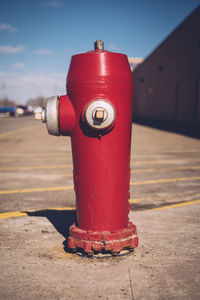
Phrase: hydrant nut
(38, 116)
(99, 114)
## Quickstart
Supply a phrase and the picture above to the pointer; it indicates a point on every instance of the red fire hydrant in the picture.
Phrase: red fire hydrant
(97, 114)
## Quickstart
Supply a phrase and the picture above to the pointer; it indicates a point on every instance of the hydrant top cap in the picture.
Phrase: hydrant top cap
(97, 65)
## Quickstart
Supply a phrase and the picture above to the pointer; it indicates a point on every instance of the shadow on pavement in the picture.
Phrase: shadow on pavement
(60, 219)
(187, 129)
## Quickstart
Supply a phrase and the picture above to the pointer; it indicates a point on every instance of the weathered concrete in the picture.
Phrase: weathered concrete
(34, 264)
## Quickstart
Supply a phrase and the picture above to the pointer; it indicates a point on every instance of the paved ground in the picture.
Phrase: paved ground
(37, 201)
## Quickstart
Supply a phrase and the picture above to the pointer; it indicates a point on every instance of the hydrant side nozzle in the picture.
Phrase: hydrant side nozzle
(38, 115)
(41, 115)
(59, 116)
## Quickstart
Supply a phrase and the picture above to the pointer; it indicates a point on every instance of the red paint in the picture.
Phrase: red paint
(67, 116)
(103, 241)
(101, 159)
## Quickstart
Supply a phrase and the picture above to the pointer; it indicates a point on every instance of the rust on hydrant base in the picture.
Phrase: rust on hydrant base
(94, 241)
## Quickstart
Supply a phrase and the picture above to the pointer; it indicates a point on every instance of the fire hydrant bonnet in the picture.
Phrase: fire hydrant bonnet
(104, 66)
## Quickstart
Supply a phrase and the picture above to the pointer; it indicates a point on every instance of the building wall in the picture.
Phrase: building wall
(167, 83)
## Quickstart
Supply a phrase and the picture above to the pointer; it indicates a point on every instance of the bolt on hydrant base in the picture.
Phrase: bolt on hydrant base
(97, 114)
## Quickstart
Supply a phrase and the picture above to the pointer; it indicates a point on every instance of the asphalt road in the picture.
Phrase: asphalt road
(37, 207)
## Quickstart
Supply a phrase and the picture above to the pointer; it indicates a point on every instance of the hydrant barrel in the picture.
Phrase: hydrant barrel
(101, 158)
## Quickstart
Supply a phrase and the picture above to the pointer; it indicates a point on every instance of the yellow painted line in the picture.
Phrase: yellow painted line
(12, 214)
(151, 170)
(164, 161)
(185, 151)
(64, 153)
(174, 205)
(61, 208)
(62, 166)
(66, 188)
(66, 174)
(35, 159)
(71, 166)
(5, 134)
(46, 189)
(41, 167)
(189, 167)
(179, 151)
(135, 200)
(164, 169)
(16, 214)
(165, 180)
(34, 154)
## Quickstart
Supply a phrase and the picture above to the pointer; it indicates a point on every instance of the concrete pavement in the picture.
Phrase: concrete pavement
(37, 208)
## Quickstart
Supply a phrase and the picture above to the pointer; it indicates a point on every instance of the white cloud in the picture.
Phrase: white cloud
(11, 50)
(18, 65)
(8, 27)
(20, 88)
(43, 51)
(52, 3)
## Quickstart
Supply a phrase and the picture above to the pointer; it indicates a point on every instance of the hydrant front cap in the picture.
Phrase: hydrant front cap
(100, 114)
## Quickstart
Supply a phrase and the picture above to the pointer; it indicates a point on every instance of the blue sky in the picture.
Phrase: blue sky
(38, 37)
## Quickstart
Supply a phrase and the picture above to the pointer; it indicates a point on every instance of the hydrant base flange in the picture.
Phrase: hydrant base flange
(94, 241)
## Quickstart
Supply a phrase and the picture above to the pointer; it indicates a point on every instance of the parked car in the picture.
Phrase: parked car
(7, 111)
(22, 110)
(19, 110)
